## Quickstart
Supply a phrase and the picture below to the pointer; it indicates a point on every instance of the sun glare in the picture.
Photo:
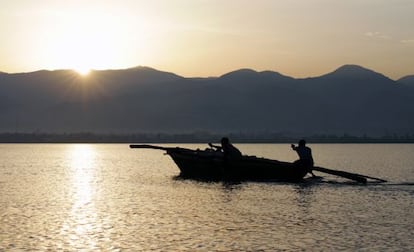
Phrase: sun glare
(82, 71)
(86, 40)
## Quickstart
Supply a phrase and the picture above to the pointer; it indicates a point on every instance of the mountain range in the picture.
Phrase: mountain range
(349, 100)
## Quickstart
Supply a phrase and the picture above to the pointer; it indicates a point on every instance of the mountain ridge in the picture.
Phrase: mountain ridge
(144, 99)
(350, 71)
(409, 80)
(345, 67)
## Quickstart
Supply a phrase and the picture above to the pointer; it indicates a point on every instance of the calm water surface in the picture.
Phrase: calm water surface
(104, 197)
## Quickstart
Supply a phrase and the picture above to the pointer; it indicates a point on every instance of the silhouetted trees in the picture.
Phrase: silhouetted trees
(195, 137)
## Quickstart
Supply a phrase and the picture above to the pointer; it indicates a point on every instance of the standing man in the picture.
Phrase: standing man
(305, 155)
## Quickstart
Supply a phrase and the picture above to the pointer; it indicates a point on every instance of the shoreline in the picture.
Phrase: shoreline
(86, 137)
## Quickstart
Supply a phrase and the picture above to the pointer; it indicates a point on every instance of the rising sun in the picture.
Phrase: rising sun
(82, 70)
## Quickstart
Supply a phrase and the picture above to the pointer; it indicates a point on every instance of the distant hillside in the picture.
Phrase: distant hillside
(408, 80)
(354, 72)
(351, 99)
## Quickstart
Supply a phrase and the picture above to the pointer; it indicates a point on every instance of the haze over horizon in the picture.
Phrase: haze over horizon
(208, 38)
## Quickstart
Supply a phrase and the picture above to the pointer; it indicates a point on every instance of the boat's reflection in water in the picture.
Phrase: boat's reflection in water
(81, 226)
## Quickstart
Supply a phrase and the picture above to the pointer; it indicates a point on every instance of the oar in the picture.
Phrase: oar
(373, 178)
(348, 175)
(340, 173)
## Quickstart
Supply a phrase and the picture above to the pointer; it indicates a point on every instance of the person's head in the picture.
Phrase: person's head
(302, 142)
(225, 141)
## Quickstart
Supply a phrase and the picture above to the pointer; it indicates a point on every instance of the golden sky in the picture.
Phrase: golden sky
(299, 38)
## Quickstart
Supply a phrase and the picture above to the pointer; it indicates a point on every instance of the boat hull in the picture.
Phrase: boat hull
(213, 166)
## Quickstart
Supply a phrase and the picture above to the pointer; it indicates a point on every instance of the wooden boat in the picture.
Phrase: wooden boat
(210, 164)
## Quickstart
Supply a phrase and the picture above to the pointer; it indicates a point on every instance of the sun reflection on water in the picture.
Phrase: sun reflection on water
(82, 158)
(82, 224)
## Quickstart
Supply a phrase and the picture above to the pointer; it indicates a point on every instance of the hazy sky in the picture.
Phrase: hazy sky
(300, 38)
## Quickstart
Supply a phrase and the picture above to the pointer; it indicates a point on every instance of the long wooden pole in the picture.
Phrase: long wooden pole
(156, 147)
(378, 179)
(148, 146)
(348, 175)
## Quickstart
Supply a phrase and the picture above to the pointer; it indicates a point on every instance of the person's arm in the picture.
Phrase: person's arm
(293, 147)
(215, 146)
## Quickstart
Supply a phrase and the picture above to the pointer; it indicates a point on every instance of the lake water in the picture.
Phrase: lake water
(107, 197)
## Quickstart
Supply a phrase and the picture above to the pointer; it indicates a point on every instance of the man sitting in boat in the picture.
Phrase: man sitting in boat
(230, 152)
(305, 155)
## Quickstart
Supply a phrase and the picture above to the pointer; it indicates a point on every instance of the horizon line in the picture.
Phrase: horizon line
(166, 71)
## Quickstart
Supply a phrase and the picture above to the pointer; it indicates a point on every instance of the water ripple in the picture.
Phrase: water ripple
(109, 198)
